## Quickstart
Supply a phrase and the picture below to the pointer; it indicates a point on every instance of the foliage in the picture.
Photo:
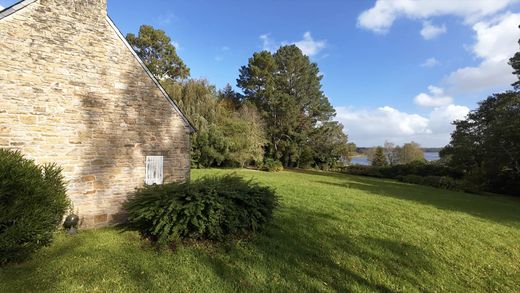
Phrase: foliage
(515, 63)
(486, 145)
(271, 165)
(333, 232)
(230, 133)
(392, 153)
(158, 53)
(286, 89)
(33, 201)
(416, 168)
(410, 152)
(434, 181)
(210, 208)
(379, 158)
(361, 170)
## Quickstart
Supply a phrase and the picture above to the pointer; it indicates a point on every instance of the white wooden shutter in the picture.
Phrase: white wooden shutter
(154, 170)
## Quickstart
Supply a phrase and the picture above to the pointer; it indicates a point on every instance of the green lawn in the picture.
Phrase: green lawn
(332, 233)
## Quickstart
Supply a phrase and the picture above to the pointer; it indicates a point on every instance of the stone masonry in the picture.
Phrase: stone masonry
(73, 93)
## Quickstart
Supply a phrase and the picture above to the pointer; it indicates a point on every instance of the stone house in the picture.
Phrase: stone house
(73, 92)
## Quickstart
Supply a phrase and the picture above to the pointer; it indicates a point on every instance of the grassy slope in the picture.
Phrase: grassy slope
(331, 233)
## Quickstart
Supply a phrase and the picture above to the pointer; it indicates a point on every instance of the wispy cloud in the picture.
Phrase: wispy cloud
(167, 18)
(382, 15)
(307, 44)
(430, 62)
(430, 31)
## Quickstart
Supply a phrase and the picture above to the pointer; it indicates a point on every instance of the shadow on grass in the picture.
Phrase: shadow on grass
(76, 262)
(500, 209)
(302, 252)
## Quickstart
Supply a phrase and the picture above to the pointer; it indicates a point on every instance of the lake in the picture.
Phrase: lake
(430, 156)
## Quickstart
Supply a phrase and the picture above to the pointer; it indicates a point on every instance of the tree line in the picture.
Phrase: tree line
(281, 115)
(486, 145)
(391, 154)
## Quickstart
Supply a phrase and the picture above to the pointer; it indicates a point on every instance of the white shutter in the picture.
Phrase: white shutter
(154, 170)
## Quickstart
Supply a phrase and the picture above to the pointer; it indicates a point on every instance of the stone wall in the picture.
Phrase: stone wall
(71, 92)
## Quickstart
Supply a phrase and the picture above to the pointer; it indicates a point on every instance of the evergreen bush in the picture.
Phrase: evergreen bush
(211, 208)
(33, 201)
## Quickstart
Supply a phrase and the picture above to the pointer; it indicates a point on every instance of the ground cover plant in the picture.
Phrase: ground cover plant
(210, 208)
(332, 232)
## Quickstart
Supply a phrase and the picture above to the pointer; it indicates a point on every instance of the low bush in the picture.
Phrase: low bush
(271, 165)
(210, 208)
(420, 169)
(443, 182)
(361, 170)
(33, 201)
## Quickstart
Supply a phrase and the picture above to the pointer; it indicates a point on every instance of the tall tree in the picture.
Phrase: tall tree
(158, 53)
(286, 88)
(379, 158)
(515, 63)
(486, 145)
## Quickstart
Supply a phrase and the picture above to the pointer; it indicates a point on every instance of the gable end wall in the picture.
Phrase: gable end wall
(71, 92)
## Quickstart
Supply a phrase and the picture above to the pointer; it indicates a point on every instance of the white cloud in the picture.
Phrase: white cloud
(1, 8)
(219, 58)
(430, 31)
(373, 126)
(436, 98)
(381, 17)
(496, 42)
(441, 117)
(268, 43)
(430, 62)
(308, 45)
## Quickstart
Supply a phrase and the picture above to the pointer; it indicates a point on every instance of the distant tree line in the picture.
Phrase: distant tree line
(391, 154)
(282, 115)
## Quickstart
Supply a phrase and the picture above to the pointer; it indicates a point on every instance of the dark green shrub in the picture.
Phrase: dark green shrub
(420, 169)
(210, 208)
(33, 201)
(443, 182)
(361, 170)
(271, 165)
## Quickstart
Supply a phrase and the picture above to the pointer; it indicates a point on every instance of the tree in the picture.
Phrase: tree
(379, 158)
(327, 146)
(392, 153)
(515, 63)
(227, 135)
(486, 145)
(411, 152)
(286, 89)
(158, 53)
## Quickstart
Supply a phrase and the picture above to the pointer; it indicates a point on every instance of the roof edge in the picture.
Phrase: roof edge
(24, 3)
(15, 7)
(166, 95)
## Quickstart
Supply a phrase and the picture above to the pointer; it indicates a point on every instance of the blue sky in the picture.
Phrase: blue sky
(397, 70)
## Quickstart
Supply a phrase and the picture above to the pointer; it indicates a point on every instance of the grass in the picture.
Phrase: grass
(332, 233)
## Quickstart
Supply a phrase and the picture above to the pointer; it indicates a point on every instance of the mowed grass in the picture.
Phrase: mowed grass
(331, 233)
